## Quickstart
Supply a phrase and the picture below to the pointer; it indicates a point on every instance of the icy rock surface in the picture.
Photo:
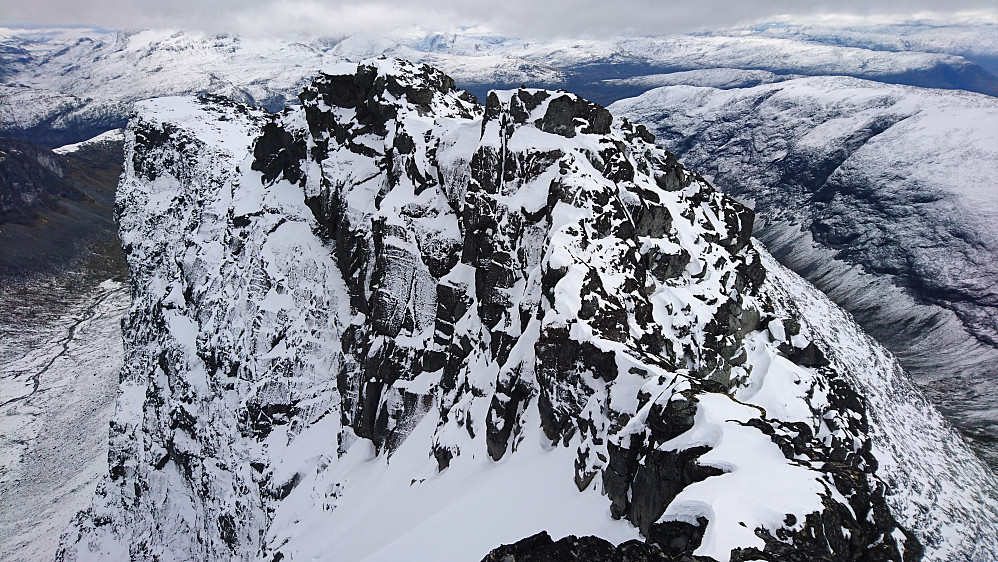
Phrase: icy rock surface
(395, 324)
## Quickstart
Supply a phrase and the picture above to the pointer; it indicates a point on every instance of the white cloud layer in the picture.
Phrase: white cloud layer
(521, 17)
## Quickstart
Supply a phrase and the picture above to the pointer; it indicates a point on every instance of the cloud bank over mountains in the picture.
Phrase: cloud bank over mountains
(523, 17)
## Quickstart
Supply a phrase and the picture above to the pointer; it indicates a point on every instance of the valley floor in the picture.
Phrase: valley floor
(60, 353)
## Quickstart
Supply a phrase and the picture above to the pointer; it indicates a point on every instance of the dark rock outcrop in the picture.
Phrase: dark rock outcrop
(542, 548)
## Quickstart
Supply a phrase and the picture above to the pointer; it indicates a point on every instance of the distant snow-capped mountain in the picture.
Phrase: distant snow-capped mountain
(976, 43)
(393, 324)
(64, 86)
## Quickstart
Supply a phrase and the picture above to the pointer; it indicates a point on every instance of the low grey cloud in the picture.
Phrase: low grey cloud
(520, 17)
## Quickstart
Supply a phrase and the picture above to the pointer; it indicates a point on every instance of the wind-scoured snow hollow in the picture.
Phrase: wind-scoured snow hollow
(393, 324)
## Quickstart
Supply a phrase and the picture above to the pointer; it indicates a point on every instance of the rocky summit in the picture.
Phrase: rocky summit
(393, 324)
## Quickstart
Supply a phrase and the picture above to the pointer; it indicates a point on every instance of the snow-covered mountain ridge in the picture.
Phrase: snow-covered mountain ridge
(469, 325)
(880, 195)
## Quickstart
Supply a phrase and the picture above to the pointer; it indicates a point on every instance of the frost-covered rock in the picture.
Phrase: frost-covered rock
(395, 324)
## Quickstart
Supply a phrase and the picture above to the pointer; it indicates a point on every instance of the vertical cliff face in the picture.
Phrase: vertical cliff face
(394, 324)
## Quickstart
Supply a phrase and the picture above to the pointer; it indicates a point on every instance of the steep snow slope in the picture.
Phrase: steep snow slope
(893, 189)
(917, 471)
(388, 325)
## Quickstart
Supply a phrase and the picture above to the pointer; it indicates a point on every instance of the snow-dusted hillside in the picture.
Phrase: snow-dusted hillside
(881, 195)
(391, 325)
(61, 86)
(56, 209)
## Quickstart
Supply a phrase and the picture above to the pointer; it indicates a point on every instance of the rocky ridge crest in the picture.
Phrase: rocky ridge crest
(393, 268)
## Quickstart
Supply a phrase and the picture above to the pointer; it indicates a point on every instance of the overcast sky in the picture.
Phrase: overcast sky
(521, 17)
